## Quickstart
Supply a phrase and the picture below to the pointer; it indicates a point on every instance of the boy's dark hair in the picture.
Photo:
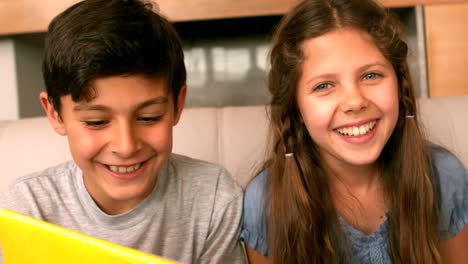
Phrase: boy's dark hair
(100, 38)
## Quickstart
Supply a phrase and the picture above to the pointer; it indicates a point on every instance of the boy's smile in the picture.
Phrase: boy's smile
(121, 137)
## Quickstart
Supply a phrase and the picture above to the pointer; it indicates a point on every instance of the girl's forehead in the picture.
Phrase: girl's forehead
(339, 37)
(344, 46)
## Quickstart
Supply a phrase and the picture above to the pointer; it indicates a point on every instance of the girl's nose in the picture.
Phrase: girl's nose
(354, 100)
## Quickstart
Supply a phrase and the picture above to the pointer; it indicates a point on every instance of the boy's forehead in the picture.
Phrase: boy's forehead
(138, 89)
(90, 106)
(131, 84)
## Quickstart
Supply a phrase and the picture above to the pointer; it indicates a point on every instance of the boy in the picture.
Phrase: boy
(115, 79)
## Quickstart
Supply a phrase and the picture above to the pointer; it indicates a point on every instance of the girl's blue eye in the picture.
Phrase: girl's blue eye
(322, 86)
(370, 76)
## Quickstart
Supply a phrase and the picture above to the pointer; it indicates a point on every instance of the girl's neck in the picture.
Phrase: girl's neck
(358, 195)
(360, 178)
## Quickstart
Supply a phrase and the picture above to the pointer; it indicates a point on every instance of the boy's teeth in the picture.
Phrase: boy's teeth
(121, 169)
(362, 130)
(356, 131)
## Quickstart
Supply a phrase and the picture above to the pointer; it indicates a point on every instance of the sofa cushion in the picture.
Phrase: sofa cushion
(243, 132)
(29, 145)
(445, 122)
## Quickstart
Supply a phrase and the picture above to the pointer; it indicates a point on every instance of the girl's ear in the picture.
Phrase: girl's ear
(301, 119)
(54, 118)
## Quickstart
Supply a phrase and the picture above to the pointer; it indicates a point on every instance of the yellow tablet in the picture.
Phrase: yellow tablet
(25, 240)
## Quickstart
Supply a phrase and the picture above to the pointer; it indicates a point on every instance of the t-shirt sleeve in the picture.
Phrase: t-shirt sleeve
(254, 233)
(222, 244)
(453, 180)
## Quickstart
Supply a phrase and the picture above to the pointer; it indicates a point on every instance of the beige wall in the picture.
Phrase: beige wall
(20, 76)
(447, 49)
(8, 85)
(29, 50)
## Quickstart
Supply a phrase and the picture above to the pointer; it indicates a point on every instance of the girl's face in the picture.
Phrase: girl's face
(348, 97)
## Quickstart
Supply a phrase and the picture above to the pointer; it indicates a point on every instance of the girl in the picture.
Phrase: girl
(351, 178)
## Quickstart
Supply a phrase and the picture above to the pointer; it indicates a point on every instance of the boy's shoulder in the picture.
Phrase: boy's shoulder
(32, 193)
(49, 175)
(186, 161)
(202, 174)
(187, 165)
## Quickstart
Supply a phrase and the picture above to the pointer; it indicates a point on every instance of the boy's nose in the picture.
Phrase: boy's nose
(354, 100)
(125, 142)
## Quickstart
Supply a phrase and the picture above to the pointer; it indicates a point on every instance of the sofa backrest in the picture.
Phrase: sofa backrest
(235, 137)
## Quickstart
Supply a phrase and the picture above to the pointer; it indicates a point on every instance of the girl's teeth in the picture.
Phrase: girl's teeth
(122, 170)
(357, 130)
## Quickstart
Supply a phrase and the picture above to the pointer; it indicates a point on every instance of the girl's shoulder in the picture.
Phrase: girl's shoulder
(450, 173)
(255, 195)
(258, 184)
(445, 162)
(452, 180)
(254, 230)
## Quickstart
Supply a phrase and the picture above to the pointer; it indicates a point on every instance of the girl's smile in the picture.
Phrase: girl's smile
(359, 134)
(347, 96)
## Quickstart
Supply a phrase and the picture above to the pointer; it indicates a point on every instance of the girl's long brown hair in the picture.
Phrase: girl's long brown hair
(303, 223)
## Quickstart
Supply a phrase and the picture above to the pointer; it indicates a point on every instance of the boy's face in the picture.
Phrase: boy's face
(121, 138)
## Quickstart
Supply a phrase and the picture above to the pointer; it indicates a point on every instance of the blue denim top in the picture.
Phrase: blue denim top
(372, 248)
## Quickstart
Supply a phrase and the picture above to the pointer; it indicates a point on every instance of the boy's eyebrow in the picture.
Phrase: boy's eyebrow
(157, 100)
(91, 107)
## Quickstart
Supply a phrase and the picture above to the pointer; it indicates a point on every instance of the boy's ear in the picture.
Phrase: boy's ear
(54, 118)
(180, 103)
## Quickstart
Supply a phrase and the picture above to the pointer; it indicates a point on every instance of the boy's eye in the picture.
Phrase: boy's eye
(322, 86)
(149, 119)
(95, 123)
(371, 76)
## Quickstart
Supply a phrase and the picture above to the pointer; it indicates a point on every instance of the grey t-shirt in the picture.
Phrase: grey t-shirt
(193, 214)
(372, 248)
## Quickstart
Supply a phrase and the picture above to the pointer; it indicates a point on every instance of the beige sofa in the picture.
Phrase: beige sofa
(232, 136)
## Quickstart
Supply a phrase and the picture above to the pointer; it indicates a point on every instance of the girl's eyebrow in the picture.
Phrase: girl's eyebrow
(360, 69)
(320, 76)
(103, 108)
(369, 65)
